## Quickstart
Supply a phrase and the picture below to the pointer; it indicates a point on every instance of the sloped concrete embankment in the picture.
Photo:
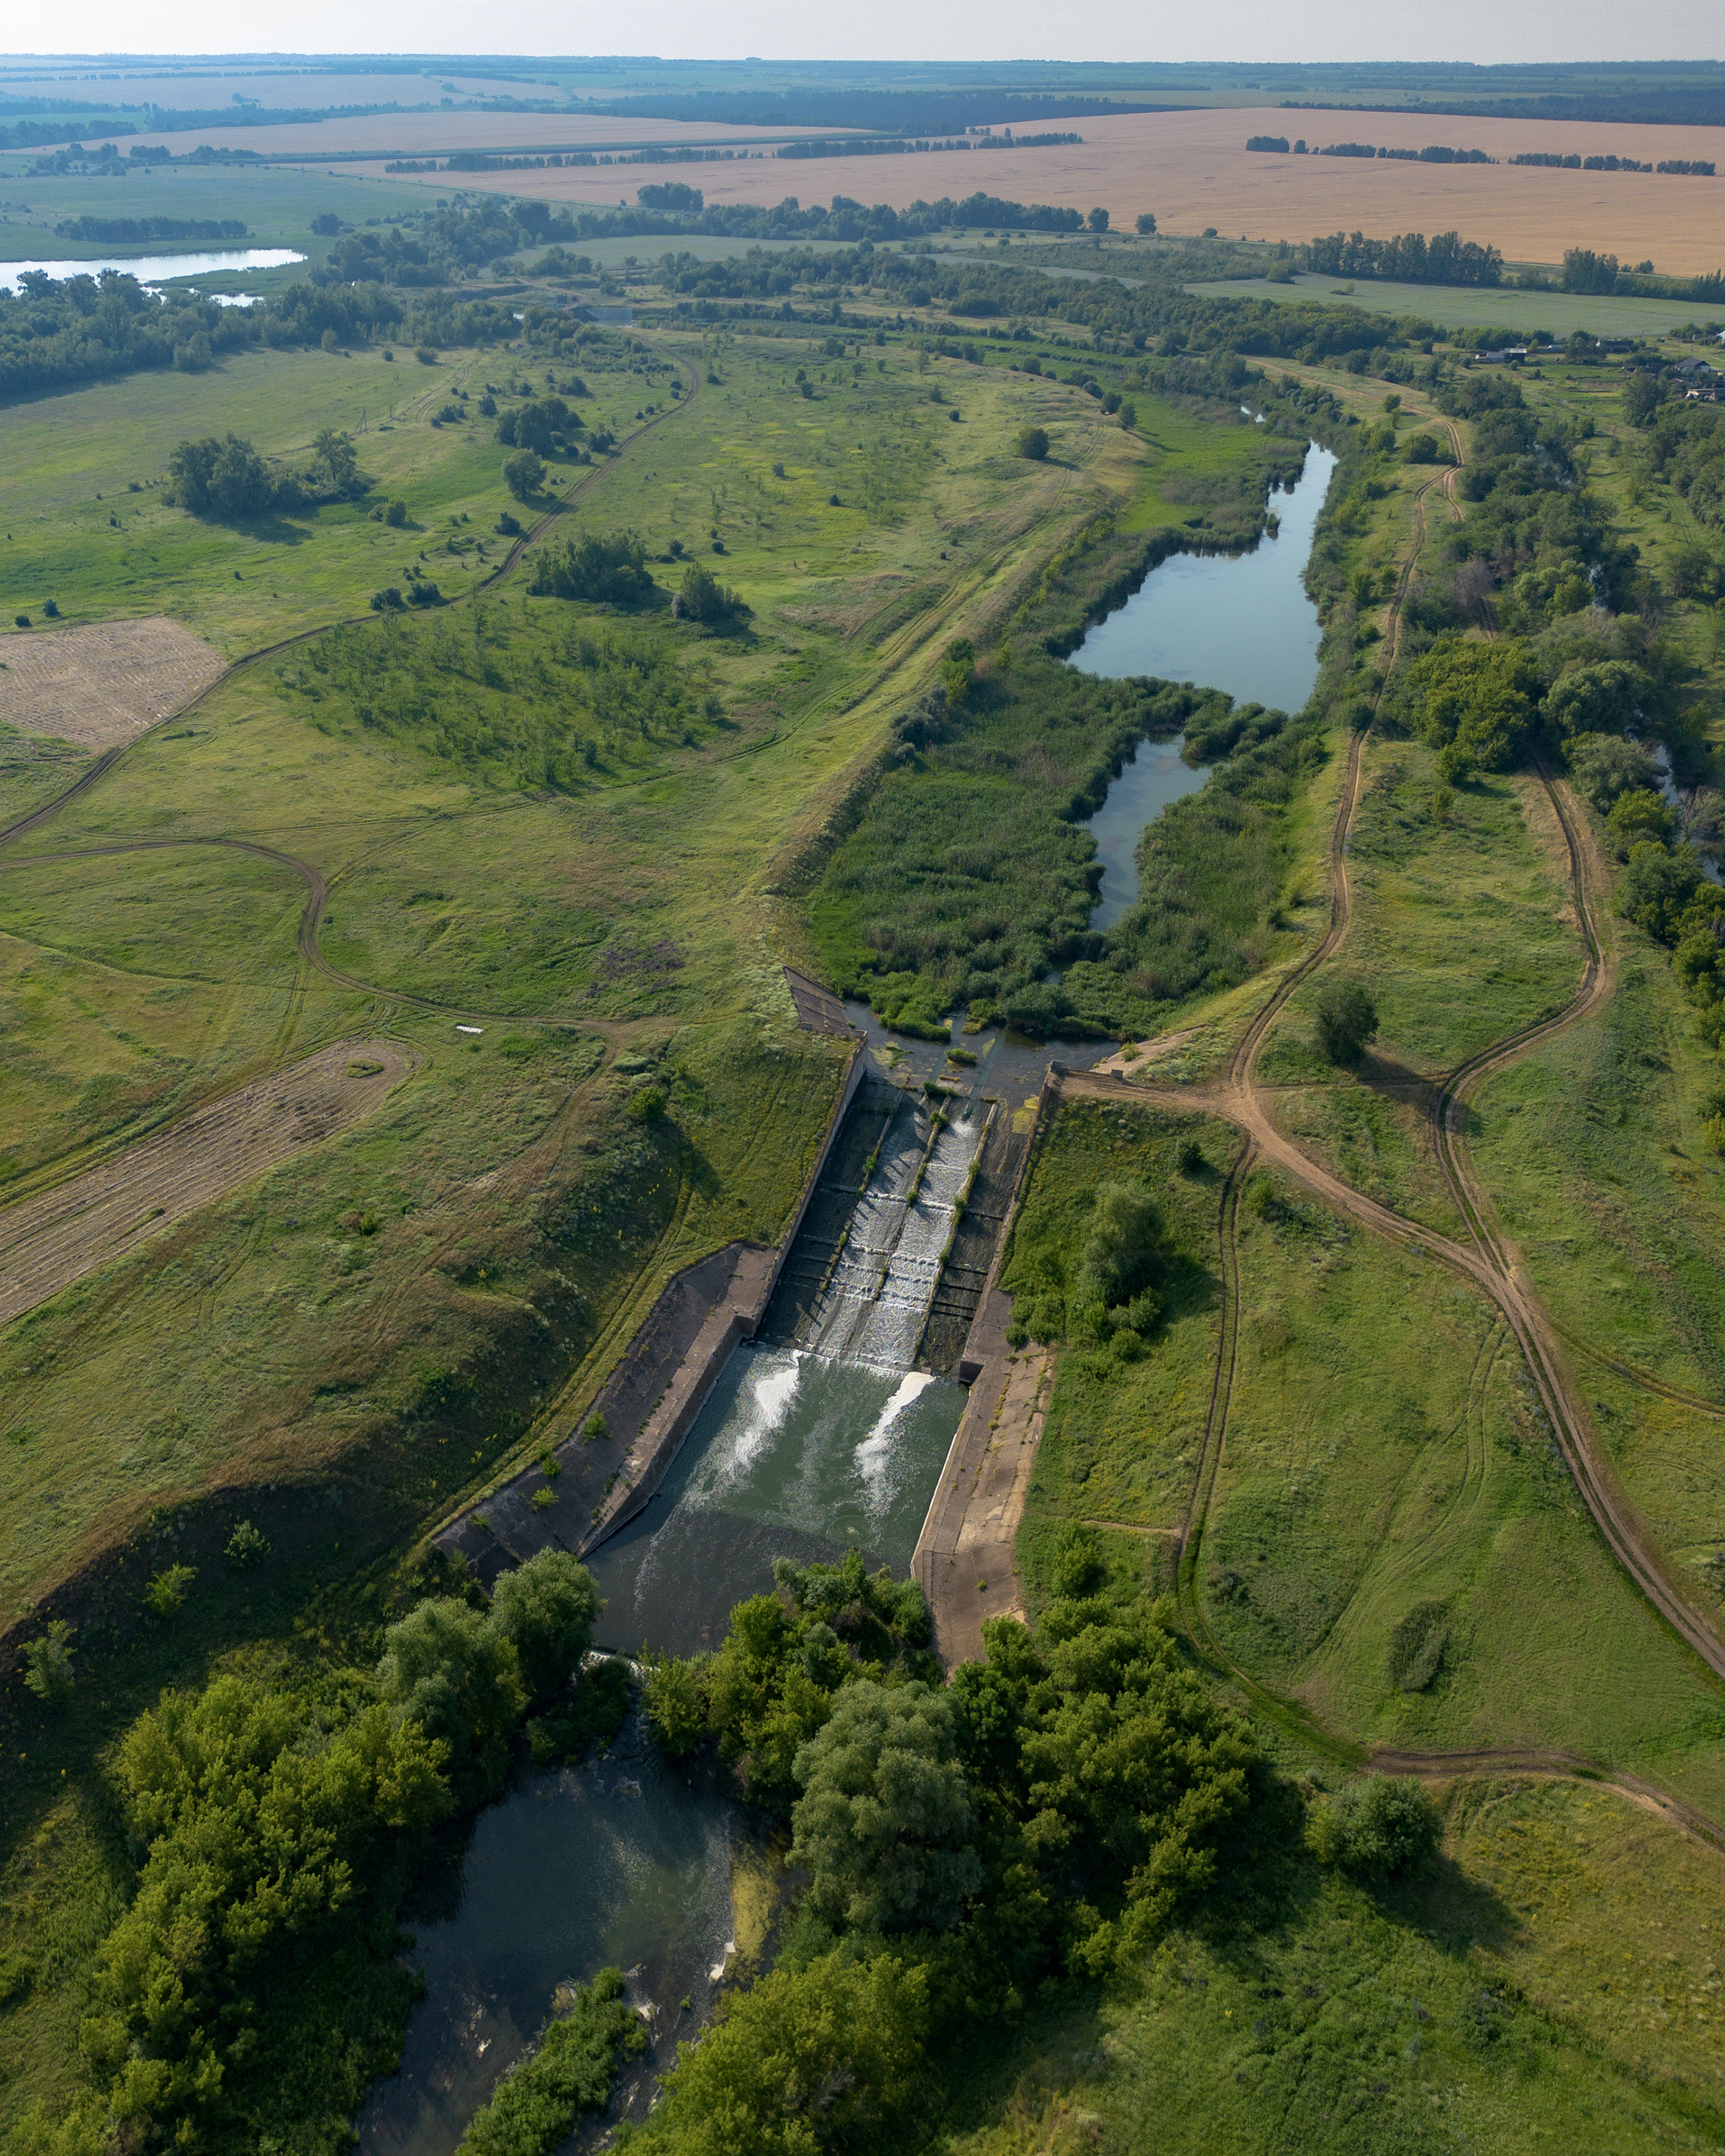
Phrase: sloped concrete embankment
(647, 1405)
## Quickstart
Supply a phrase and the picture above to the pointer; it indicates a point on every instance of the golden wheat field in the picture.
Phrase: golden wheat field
(1193, 170)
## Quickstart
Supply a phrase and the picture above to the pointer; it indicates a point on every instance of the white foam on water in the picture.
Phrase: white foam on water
(772, 1390)
(873, 1455)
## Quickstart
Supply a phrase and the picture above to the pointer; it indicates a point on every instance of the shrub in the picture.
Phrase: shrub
(48, 1663)
(1032, 442)
(569, 2072)
(50, 611)
(396, 515)
(388, 601)
(423, 593)
(508, 525)
(523, 473)
(1383, 1828)
(426, 357)
(167, 1591)
(593, 1428)
(701, 597)
(1345, 1018)
(646, 1106)
(220, 478)
(1416, 1645)
(1655, 885)
(247, 1547)
(1423, 449)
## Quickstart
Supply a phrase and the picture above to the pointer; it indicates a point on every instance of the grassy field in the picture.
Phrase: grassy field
(276, 206)
(1558, 1978)
(1517, 314)
(76, 530)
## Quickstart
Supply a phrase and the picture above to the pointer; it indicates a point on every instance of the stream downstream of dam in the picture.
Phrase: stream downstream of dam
(825, 1432)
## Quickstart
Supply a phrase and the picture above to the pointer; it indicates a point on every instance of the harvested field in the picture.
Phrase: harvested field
(49, 1241)
(100, 685)
(425, 134)
(1192, 169)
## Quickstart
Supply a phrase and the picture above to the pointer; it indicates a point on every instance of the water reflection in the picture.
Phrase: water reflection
(1238, 622)
(628, 1862)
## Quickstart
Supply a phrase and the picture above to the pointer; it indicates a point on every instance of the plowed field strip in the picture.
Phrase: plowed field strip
(48, 1242)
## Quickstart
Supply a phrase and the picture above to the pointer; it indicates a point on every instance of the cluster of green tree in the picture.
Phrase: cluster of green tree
(1586, 272)
(59, 334)
(1085, 1267)
(1685, 449)
(1537, 545)
(248, 1980)
(701, 597)
(1408, 259)
(543, 424)
(231, 481)
(604, 569)
(137, 231)
(510, 703)
(1051, 1813)
(569, 2072)
(1155, 311)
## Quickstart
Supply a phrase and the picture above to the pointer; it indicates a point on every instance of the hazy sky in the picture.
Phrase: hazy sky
(1482, 30)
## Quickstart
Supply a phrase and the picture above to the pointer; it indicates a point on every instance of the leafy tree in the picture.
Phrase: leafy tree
(545, 1609)
(523, 474)
(825, 2060)
(884, 1822)
(701, 597)
(569, 2071)
(48, 1662)
(676, 1706)
(1643, 396)
(1382, 1827)
(259, 1832)
(336, 453)
(1605, 765)
(1477, 699)
(1604, 698)
(1639, 814)
(1032, 442)
(396, 515)
(1088, 1267)
(220, 478)
(1656, 884)
(1423, 449)
(450, 1670)
(1097, 220)
(1345, 1018)
(605, 571)
(1146, 222)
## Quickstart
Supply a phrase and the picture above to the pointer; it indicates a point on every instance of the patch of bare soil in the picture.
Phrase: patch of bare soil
(101, 684)
(48, 1241)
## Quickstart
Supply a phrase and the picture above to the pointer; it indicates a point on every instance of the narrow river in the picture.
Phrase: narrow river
(1242, 623)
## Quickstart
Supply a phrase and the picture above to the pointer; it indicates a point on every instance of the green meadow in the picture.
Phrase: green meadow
(1514, 312)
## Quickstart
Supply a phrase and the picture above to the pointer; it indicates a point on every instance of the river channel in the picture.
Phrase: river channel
(819, 1437)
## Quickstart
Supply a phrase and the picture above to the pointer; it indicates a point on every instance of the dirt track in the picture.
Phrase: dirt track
(49, 1241)
(1492, 1263)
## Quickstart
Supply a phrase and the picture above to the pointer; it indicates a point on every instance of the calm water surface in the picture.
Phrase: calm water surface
(154, 268)
(1239, 623)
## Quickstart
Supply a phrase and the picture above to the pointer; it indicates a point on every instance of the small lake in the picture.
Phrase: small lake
(631, 1861)
(154, 269)
(1238, 622)
(1242, 623)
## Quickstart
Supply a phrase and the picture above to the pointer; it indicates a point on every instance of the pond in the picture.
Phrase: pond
(1238, 622)
(630, 1861)
(154, 269)
(1242, 623)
